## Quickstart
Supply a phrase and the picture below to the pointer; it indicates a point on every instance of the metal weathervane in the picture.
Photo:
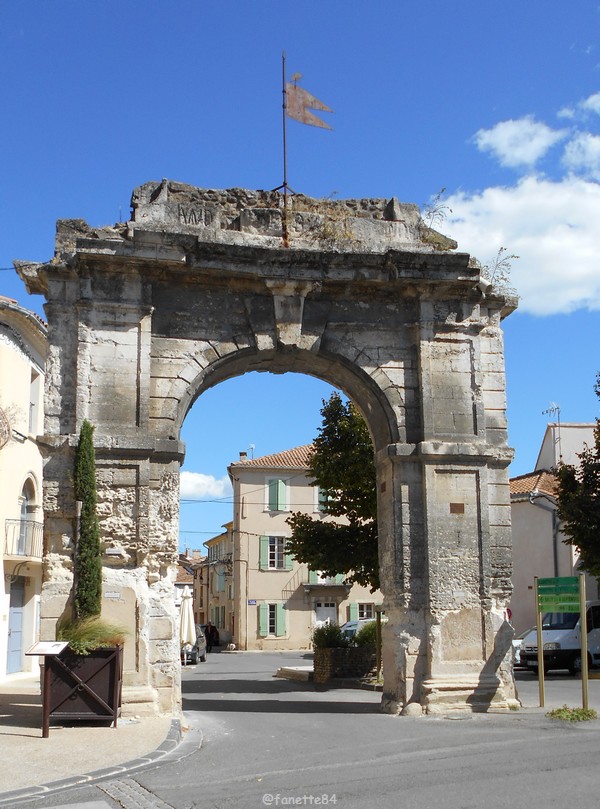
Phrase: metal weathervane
(297, 104)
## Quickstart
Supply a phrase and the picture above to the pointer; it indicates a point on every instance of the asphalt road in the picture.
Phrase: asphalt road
(271, 742)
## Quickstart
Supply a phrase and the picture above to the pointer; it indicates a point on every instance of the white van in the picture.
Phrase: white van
(562, 641)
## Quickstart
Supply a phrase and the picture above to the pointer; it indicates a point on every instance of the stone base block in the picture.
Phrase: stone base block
(441, 695)
(139, 701)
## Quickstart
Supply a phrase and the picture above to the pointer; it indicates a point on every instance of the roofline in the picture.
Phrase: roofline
(13, 306)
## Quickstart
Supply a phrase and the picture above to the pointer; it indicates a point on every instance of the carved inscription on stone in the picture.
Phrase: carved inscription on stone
(195, 215)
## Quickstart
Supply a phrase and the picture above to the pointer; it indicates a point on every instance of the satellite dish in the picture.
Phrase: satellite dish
(5, 431)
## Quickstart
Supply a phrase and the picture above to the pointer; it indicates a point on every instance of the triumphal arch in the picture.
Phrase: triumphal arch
(199, 286)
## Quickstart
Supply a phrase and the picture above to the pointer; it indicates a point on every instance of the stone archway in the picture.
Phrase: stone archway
(198, 288)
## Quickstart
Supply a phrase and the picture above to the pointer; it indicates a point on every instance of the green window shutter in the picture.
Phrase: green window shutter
(312, 577)
(273, 491)
(322, 500)
(289, 559)
(279, 620)
(263, 561)
(353, 611)
(277, 495)
(263, 620)
(282, 505)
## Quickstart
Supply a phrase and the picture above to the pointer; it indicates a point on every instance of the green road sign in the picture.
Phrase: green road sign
(560, 594)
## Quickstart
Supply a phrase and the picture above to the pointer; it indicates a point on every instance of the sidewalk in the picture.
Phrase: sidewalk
(71, 753)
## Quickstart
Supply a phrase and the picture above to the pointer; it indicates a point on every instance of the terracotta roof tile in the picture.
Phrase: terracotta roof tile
(541, 481)
(183, 575)
(296, 458)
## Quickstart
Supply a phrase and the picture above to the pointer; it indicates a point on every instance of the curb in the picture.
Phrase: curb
(168, 746)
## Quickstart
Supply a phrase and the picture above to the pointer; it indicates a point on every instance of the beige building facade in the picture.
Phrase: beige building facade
(217, 579)
(538, 541)
(278, 601)
(23, 339)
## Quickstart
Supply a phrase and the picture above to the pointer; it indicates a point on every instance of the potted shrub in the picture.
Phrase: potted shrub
(336, 657)
(83, 682)
(326, 641)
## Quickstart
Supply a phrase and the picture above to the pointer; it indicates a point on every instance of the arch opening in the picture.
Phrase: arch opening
(248, 558)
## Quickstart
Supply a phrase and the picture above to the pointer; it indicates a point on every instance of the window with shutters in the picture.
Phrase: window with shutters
(276, 495)
(271, 620)
(273, 554)
(321, 500)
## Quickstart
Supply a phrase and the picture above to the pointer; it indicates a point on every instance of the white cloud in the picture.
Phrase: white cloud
(196, 486)
(566, 112)
(519, 142)
(551, 226)
(582, 154)
(591, 104)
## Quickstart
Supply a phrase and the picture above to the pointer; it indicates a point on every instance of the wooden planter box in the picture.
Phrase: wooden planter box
(352, 662)
(82, 688)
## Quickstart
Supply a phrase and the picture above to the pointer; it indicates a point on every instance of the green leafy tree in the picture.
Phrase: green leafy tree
(578, 500)
(88, 560)
(342, 466)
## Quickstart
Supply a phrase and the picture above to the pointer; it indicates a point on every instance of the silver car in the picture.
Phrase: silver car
(197, 652)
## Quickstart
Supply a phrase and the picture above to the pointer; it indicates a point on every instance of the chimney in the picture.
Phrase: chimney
(243, 455)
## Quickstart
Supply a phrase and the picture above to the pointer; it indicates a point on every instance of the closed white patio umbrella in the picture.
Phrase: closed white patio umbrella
(187, 628)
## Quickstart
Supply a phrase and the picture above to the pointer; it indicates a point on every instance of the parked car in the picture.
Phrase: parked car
(350, 628)
(518, 663)
(197, 652)
(561, 636)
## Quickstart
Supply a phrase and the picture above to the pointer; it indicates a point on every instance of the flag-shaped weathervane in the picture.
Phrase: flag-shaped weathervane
(300, 103)
(297, 104)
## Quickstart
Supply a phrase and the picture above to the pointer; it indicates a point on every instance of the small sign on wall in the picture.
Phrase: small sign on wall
(252, 602)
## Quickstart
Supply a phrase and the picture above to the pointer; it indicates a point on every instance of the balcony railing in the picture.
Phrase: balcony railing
(24, 538)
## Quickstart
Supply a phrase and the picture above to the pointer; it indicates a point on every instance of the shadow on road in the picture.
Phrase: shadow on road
(231, 686)
(218, 705)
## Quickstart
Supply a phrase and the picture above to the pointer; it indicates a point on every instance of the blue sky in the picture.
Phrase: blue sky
(498, 103)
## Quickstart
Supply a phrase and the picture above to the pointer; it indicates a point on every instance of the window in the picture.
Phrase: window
(276, 552)
(34, 402)
(271, 620)
(361, 611)
(365, 611)
(273, 555)
(26, 526)
(276, 494)
(318, 577)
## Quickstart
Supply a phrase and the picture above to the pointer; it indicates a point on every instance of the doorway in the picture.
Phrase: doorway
(14, 661)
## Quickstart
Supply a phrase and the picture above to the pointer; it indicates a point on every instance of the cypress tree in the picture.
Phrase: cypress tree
(88, 561)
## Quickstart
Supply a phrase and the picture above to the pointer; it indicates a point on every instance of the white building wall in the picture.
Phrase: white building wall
(563, 442)
(22, 348)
